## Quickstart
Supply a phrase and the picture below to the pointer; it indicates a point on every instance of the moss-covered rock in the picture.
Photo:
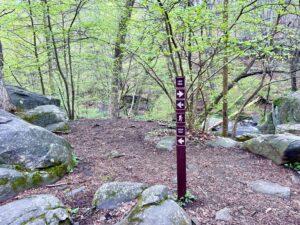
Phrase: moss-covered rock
(12, 181)
(30, 156)
(280, 148)
(110, 195)
(155, 207)
(286, 109)
(268, 127)
(50, 117)
(40, 209)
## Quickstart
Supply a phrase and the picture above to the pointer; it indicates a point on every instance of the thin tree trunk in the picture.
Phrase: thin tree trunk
(49, 54)
(4, 98)
(225, 72)
(118, 57)
(293, 67)
(36, 54)
(61, 73)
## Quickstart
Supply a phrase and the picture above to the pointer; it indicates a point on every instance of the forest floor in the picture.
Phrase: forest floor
(218, 177)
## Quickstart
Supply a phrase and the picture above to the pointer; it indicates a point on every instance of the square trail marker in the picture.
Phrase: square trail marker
(180, 131)
(180, 82)
(180, 117)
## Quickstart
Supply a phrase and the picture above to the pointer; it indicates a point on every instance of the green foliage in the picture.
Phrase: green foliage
(149, 63)
(75, 211)
(294, 165)
(162, 110)
(187, 199)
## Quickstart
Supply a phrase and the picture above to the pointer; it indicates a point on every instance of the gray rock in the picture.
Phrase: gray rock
(267, 127)
(223, 214)
(211, 122)
(13, 181)
(243, 127)
(7, 178)
(76, 191)
(111, 195)
(154, 194)
(246, 137)
(288, 128)
(270, 188)
(25, 100)
(295, 179)
(30, 156)
(166, 212)
(166, 143)
(286, 109)
(280, 148)
(35, 210)
(50, 117)
(222, 142)
(30, 146)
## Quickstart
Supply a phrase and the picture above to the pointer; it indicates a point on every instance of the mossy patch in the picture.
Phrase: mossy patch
(20, 183)
(56, 171)
(278, 102)
(36, 179)
(3, 181)
(63, 129)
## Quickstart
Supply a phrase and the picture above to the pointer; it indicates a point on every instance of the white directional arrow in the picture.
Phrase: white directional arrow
(180, 94)
(180, 141)
(180, 105)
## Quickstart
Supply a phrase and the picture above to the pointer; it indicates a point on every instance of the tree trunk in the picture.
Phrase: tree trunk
(293, 67)
(118, 57)
(49, 53)
(36, 54)
(4, 98)
(225, 72)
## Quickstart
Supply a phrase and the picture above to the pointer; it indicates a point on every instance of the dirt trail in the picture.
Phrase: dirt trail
(218, 177)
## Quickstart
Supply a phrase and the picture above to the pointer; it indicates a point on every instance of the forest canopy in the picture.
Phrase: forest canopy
(99, 56)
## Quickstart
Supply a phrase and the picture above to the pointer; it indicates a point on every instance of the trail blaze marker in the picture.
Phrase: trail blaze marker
(180, 133)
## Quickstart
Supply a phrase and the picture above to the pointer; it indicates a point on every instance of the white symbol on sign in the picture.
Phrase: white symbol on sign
(180, 105)
(180, 118)
(180, 141)
(180, 94)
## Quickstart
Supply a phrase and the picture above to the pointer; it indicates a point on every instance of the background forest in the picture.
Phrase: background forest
(120, 57)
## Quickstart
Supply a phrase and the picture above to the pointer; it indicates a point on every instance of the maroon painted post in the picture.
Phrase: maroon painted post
(181, 136)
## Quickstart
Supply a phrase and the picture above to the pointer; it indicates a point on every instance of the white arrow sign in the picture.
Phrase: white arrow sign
(180, 141)
(180, 94)
(180, 105)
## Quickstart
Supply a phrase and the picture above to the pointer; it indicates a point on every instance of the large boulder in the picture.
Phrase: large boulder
(156, 207)
(288, 128)
(30, 155)
(280, 148)
(25, 100)
(111, 195)
(35, 210)
(222, 142)
(50, 117)
(285, 110)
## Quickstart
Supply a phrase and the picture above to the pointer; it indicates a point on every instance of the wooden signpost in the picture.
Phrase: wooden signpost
(181, 136)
